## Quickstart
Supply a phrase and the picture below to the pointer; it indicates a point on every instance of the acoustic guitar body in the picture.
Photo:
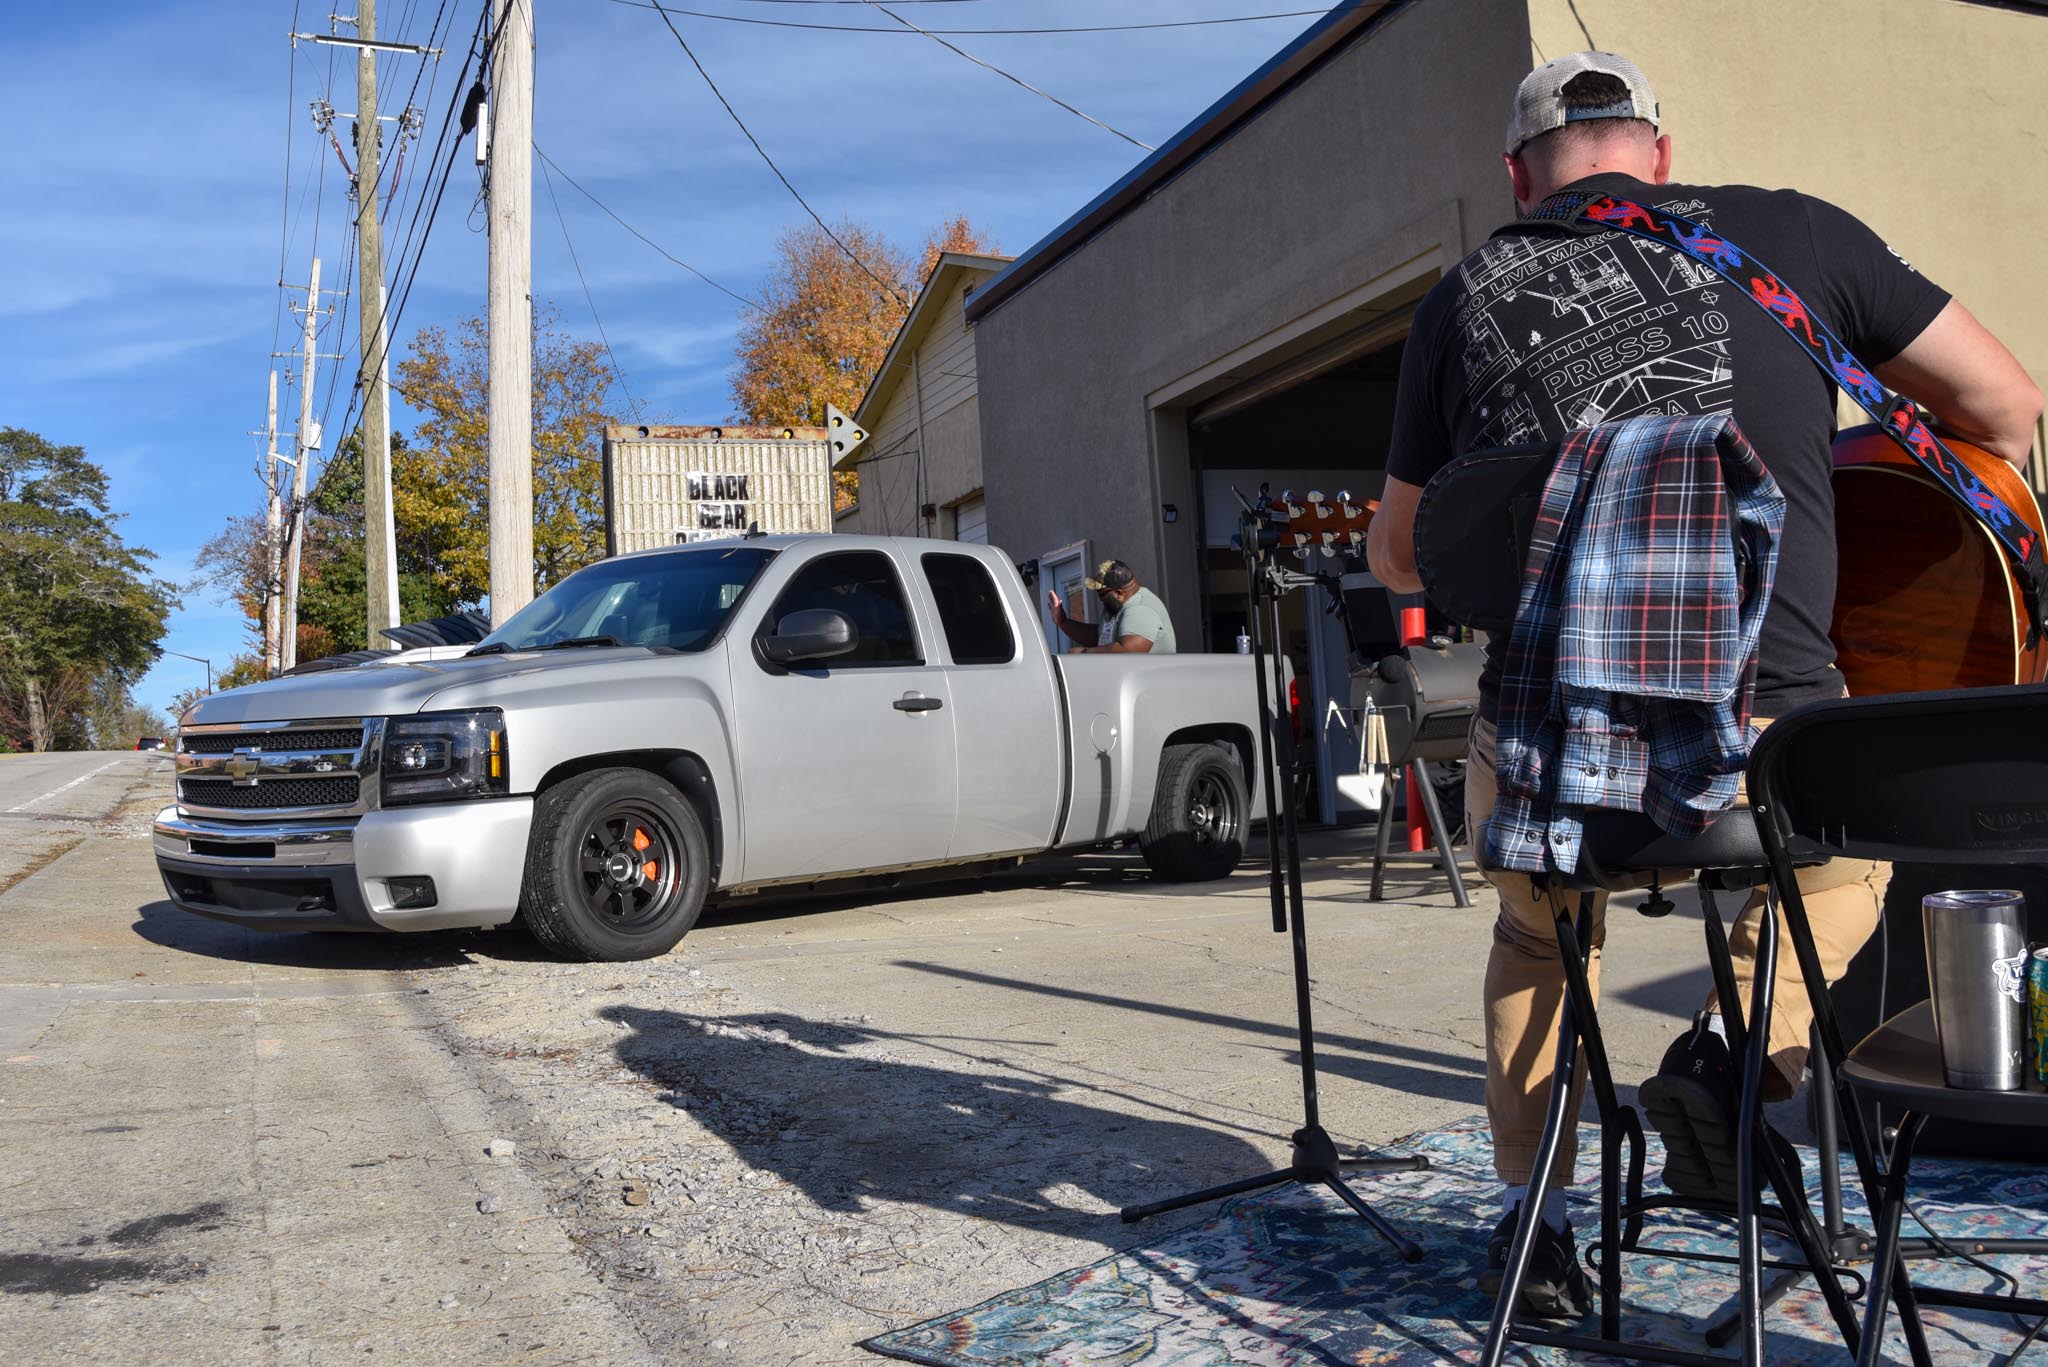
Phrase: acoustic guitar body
(1924, 598)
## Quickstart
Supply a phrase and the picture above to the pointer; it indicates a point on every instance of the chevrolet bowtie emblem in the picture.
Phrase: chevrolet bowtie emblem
(242, 768)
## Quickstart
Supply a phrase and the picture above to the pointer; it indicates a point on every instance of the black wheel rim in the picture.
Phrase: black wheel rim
(1212, 809)
(629, 863)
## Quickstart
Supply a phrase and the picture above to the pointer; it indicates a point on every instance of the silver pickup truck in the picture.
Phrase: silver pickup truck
(685, 724)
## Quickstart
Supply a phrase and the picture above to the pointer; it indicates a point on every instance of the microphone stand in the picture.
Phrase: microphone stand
(1315, 1160)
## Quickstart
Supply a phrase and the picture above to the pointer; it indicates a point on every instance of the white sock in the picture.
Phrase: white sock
(1717, 1025)
(1553, 1204)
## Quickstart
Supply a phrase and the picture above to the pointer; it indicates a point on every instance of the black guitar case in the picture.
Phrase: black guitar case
(1472, 529)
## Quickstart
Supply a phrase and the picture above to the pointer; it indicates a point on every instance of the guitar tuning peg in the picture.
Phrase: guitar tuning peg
(1343, 495)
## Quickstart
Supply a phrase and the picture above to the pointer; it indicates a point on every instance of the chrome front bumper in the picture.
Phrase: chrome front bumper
(293, 843)
(335, 875)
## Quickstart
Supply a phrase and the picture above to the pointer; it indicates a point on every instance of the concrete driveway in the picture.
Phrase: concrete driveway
(814, 1120)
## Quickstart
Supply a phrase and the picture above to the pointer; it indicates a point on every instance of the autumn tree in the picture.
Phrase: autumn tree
(334, 596)
(81, 612)
(333, 611)
(829, 310)
(441, 484)
(956, 234)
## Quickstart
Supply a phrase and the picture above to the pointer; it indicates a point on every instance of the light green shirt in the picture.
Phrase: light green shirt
(1142, 615)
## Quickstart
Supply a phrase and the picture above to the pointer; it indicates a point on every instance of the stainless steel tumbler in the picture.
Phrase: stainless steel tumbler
(1976, 971)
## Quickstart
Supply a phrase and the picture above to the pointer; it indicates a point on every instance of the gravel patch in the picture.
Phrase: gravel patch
(777, 1184)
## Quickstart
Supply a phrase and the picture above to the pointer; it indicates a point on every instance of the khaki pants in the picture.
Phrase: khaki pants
(1524, 991)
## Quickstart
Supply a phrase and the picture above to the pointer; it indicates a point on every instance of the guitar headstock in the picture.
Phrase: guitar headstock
(1312, 522)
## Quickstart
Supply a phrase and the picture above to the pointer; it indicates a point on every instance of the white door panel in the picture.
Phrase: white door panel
(848, 764)
(838, 777)
(1005, 711)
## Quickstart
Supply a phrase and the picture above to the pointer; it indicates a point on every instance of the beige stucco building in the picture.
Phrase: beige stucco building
(920, 468)
(1232, 311)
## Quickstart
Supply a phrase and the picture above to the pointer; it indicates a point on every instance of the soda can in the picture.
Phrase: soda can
(2037, 1010)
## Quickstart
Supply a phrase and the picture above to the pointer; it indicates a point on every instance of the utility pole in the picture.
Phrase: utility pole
(387, 525)
(288, 644)
(273, 530)
(509, 315)
(380, 559)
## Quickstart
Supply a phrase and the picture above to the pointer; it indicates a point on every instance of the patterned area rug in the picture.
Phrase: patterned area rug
(1291, 1276)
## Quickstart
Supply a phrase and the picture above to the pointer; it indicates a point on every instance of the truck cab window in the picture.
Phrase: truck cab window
(863, 586)
(970, 609)
(673, 600)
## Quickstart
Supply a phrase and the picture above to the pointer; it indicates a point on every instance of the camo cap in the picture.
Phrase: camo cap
(1111, 574)
(1539, 101)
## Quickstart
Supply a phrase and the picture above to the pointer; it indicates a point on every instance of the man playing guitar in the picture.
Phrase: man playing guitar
(1536, 335)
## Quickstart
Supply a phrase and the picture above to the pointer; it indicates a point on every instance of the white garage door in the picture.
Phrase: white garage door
(970, 522)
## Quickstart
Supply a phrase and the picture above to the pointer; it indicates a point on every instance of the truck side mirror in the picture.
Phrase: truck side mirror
(809, 635)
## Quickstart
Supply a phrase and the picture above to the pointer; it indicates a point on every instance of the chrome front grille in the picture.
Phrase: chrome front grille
(323, 767)
(227, 742)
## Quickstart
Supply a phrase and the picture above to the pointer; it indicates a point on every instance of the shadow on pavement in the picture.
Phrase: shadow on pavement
(163, 924)
(1375, 1061)
(1095, 870)
(792, 1097)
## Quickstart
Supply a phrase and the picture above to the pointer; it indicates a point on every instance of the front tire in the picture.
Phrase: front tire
(1199, 815)
(617, 867)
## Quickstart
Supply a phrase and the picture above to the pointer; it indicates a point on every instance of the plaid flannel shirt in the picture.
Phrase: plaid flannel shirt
(1628, 677)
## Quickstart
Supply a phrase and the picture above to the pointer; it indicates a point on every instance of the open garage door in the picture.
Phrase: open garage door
(1321, 421)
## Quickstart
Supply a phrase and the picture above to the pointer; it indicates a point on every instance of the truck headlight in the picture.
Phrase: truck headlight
(444, 756)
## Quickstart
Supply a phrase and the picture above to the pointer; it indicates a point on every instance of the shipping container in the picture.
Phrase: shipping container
(665, 485)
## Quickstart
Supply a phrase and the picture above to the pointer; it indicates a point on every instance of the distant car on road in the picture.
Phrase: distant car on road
(149, 742)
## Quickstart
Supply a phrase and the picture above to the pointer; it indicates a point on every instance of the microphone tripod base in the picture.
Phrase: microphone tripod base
(1316, 1163)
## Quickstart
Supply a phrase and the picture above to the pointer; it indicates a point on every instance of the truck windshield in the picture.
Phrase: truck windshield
(674, 601)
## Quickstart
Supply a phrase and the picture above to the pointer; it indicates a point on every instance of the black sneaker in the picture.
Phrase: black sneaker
(1555, 1287)
(1692, 1102)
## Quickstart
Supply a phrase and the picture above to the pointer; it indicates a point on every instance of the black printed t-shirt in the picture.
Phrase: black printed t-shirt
(1539, 334)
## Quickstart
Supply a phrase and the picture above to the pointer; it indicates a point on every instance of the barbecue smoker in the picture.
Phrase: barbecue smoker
(1427, 695)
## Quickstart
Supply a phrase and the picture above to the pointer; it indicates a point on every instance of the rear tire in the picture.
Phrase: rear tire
(616, 867)
(1200, 811)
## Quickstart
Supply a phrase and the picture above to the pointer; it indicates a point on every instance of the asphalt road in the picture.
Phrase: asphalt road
(220, 1153)
(813, 1120)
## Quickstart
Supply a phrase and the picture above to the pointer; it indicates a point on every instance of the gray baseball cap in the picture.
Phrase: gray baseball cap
(1539, 101)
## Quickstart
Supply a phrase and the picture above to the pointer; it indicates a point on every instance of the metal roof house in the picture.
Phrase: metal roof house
(920, 468)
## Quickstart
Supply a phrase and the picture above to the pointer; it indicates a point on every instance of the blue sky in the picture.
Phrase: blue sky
(146, 168)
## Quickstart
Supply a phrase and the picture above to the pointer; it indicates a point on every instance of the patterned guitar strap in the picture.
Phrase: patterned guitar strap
(1585, 212)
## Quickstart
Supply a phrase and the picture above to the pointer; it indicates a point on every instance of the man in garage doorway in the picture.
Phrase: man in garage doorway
(1134, 619)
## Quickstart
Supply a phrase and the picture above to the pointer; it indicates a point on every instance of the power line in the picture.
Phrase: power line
(284, 224)
(574, 184)
(999, 32)
(401, 192)
(1018, 80)
(888, 288)
(548, 178)
(392, 315)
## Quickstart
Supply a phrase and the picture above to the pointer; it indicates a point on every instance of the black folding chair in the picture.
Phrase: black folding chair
(1954, 778)
(1471, 535)
(1620, 852)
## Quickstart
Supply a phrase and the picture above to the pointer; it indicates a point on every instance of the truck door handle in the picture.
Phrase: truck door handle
(912, 702)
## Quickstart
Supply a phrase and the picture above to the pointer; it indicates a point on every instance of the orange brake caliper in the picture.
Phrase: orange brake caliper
(650, 869)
